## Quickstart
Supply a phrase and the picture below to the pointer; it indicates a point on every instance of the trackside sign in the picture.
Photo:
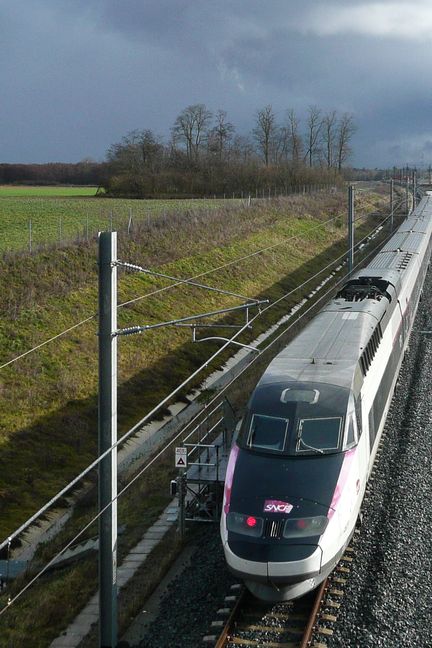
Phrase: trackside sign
(181, 457)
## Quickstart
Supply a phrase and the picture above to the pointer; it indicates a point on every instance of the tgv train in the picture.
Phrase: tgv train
(302, 455)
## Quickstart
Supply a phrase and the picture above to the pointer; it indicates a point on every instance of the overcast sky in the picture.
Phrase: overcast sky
(77, 75)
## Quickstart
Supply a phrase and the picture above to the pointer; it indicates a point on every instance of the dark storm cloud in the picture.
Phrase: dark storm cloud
(78, 75)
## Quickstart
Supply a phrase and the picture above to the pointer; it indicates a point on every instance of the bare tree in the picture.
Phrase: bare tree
(345, 130)
(137, 152)
(329, 138)
(295, 139)
(243, 151)
(265, 132)
(191, 127)
(314, 126)
(221, 134)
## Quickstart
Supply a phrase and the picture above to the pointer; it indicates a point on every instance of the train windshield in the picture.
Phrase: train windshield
(295, 419)
(268, 432)
(319, 434)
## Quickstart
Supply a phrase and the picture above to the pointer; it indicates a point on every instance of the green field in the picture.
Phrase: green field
(27, 191)
(43, 219)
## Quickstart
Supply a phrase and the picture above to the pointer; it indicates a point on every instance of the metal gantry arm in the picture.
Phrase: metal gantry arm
(181, 321)
(132, 330)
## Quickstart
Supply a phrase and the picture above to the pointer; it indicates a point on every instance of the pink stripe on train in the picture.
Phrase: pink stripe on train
(341, 483)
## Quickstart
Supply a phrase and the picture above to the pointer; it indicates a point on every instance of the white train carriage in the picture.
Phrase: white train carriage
(301, 459)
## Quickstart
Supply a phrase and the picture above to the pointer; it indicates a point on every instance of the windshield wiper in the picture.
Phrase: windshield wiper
(310, 447)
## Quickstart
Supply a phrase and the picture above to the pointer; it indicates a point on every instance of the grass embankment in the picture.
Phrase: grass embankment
(66, 217)
(52, 433)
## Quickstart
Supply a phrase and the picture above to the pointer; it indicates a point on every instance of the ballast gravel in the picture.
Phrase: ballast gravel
(193, 598)
(388, 600)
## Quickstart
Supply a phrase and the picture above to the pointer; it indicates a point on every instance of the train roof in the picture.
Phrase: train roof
(327, 350)
(329, 347)
(399, 253)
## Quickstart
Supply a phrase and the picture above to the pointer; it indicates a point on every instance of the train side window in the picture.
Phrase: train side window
(379, 329)
(368, 357)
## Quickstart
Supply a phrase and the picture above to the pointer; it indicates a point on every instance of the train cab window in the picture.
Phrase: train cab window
(351, 434)
(267, 432)
(319, 435)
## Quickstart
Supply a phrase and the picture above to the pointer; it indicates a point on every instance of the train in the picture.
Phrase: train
(304, 450)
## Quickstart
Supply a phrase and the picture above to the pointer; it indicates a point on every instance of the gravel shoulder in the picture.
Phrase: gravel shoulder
(183, 607)
(388, 600)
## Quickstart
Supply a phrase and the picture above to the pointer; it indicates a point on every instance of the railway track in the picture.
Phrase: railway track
(304, 623)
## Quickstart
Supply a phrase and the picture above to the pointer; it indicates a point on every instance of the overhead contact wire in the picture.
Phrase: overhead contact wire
(163, 450)
(177, 283)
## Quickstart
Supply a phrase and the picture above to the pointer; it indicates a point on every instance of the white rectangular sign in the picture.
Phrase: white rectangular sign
(181, 457)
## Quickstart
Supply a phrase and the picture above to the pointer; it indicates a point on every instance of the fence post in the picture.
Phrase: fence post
(30, 236)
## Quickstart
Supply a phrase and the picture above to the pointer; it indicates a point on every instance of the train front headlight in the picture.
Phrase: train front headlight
(305, 527)
(245, 524)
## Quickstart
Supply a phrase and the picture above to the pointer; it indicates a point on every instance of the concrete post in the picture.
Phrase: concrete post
(407, 194)
(391, 203)
(350, 228)
(414, 188)
(107, 437)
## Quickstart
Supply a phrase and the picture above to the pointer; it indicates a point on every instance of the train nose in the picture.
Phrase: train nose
(282, 581)
(300, 561)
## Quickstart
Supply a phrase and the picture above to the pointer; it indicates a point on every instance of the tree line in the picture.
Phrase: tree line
(205, 155)
(87, 172)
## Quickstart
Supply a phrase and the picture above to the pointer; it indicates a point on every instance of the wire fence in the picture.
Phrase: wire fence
(31, 224)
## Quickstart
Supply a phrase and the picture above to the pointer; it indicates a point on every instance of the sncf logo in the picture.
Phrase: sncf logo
(276, 506)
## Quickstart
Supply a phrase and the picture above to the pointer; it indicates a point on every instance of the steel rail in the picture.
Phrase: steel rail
(224, 636)
(307, 637)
